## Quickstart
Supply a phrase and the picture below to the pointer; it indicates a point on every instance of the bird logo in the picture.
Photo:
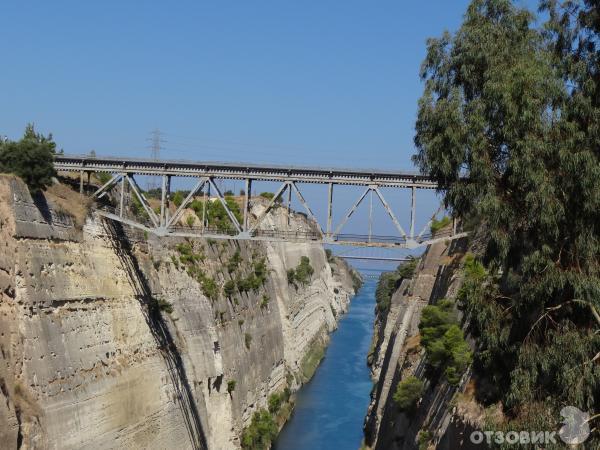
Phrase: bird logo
(576, 428)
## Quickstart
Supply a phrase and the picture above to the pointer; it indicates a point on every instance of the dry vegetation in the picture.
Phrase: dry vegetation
(64, 199)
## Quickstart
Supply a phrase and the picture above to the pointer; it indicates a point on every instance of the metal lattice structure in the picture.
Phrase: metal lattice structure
(165, 223)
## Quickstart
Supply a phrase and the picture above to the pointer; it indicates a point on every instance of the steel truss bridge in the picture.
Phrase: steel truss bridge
(207, 174)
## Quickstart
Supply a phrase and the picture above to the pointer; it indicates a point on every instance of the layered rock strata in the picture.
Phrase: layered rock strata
(109, 339)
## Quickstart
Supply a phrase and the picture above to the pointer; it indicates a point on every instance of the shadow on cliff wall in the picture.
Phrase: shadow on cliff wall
(40, 202)
(160, 332)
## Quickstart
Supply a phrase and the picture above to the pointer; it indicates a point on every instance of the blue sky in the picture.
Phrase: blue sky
(317, 83)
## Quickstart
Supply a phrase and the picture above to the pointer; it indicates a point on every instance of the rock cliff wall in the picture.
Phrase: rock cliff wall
(397, 354)
(109, 339)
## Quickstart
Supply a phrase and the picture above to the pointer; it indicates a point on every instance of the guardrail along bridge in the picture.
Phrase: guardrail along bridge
(164, 220)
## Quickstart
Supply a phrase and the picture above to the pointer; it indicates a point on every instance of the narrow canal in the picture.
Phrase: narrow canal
(331, 408)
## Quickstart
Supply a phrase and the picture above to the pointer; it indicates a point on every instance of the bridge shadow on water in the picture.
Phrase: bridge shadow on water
(160, 332)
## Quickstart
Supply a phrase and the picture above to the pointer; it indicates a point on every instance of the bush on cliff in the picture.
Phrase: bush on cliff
(443, 340)
(437, 225)
(389, 282)
(234, 261)
(229, 288)
(408, 392)
(216, 215)
(261, 432)
(303, 271)
(277, 399)
(31, 158)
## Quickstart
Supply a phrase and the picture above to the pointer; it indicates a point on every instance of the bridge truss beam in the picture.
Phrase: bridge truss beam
(164, 224)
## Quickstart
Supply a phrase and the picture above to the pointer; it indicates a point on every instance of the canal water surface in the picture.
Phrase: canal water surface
(330, 409)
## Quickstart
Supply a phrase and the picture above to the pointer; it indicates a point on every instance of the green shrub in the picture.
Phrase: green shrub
(291, 276)
(137, 208)
(264, 302)
(277, 399)
(190, 221)
(230, 386)
(178, 198)
(103, 177)
(390, 281)
(304, 271)
(407, 269)
(247, 340)
(260, 270)
(444, 341)
(274, 403)
(437, 225)
(267, 195)
(31, 158)
(243, 285)
(164, 305)
(209, 287)
(216, 215)
(423, 439)
(456, 354)
(234, 262)
(229, 288)
(408, 392)
(435, 321)
(329, 255)
(474, 270)
(260, 433)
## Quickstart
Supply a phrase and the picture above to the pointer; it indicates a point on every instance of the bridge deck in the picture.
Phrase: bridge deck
(242, 171)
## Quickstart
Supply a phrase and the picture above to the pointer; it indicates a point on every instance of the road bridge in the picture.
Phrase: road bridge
(164, 222)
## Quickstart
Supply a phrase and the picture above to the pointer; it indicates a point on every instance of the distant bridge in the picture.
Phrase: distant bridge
(163, 223)
(374, 258)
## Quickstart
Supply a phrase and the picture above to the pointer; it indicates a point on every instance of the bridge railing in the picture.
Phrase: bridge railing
(369, 238)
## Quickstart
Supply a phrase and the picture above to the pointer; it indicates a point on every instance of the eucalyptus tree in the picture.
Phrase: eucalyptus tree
(509, 126)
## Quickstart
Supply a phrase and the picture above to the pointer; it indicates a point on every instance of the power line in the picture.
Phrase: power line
(155, 142)
(155, 146)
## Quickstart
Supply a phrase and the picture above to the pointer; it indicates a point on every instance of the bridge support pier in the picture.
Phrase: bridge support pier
(247, 203)
(122, 199)
(413, 204)
(329, 209)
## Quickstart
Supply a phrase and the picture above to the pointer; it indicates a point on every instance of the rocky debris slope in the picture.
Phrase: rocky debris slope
(398, 354)
(112, 339)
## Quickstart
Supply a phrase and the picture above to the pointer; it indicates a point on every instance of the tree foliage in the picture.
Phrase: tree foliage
(304, 270)
(216, 215)
(509, 125)
(443, 340)
(390, 281)
(31, 158)
(261, 431)
(408, 392)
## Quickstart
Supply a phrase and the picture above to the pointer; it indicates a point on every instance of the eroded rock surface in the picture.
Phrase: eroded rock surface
(89, 362)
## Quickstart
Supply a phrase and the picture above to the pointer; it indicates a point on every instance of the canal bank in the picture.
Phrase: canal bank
(330, 409)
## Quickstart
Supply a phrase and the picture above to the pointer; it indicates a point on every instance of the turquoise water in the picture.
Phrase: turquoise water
(331, 408)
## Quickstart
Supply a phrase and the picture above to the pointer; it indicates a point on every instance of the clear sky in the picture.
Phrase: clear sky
(306, 82)
(319, 82)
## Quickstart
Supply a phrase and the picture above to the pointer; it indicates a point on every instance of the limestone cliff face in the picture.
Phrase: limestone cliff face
(398, 355)
(88, 359)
